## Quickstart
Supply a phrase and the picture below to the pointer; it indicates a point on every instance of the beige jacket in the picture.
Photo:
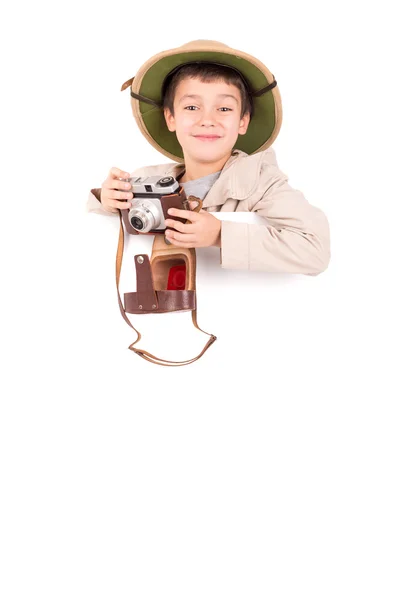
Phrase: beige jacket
(295, 237)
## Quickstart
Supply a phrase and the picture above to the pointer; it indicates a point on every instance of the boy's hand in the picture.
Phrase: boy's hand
(204, 229)
(114, 191)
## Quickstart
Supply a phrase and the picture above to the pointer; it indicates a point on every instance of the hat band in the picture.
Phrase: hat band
(144, 99)
(251, 94)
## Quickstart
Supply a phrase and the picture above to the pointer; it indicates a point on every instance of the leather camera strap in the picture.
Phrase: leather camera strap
(143, 353)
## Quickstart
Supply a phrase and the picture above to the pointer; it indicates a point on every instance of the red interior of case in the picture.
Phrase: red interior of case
(177, 278)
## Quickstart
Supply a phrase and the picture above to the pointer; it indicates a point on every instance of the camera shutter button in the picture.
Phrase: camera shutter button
(165, 181)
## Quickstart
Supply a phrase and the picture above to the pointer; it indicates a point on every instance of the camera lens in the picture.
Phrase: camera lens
(137, 223)
(145, 215)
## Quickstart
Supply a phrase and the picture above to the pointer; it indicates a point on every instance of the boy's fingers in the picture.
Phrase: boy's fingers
(115, 184)
(122, 205)
(183, 227)
(117, 195)
(180, 237)
(115, 172)
(184, 214)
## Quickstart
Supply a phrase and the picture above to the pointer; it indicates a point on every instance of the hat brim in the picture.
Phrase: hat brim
(264, 125)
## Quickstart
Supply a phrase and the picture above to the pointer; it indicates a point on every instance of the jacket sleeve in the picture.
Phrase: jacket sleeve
(93, 204)
(294, 239)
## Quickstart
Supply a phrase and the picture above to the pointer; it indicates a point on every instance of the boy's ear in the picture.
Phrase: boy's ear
(169, 119)
(244, 123)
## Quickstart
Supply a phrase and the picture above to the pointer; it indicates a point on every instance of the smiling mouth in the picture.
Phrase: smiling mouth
(207, 137)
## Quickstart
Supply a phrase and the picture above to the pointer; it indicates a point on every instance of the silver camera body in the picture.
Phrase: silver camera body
(146, 213)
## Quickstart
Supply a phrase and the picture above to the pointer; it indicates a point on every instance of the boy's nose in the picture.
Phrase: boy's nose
(207, 118)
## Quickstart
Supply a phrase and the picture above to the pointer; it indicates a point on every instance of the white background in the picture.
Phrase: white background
(270, 467)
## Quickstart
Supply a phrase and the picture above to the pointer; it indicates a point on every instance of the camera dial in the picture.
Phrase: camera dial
(165, 181)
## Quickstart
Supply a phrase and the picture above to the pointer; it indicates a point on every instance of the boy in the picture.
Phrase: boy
(219, 110)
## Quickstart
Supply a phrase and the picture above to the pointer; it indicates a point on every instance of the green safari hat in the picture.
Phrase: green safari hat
(147, 88)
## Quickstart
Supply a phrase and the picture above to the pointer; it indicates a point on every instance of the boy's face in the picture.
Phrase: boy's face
(206, 119)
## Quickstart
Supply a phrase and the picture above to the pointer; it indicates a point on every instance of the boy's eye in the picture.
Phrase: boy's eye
(223, 108)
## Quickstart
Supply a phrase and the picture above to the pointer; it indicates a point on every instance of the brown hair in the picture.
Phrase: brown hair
(206, 72)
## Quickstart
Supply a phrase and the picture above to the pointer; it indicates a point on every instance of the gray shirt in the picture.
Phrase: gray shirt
(200, 187)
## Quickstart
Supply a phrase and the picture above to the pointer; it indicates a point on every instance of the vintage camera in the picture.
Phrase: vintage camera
(152, 197)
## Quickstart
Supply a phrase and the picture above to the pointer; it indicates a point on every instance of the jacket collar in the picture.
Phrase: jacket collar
(227, 185)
